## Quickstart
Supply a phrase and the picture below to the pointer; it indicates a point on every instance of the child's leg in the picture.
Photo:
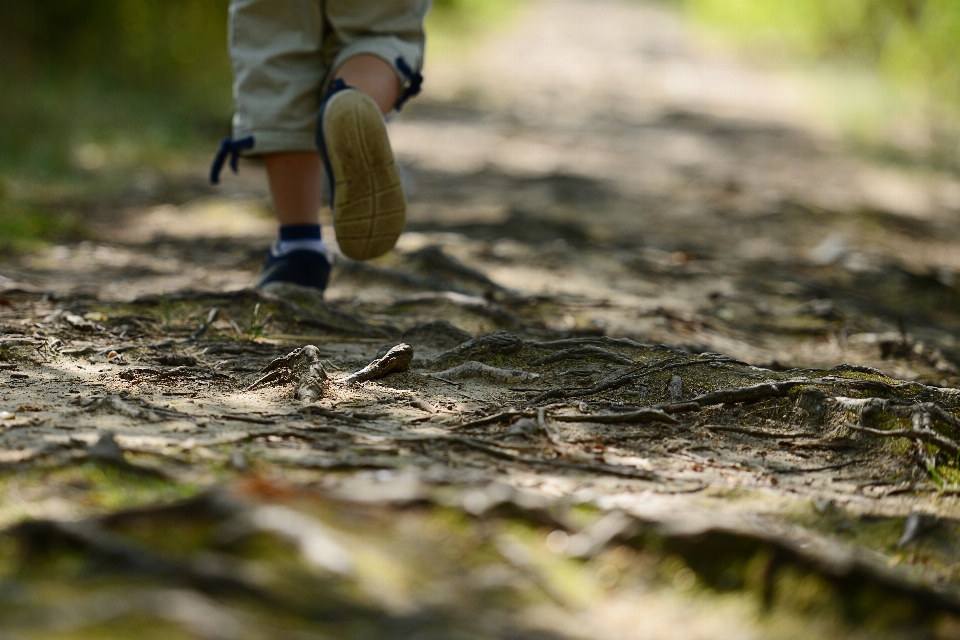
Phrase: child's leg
(294, 177)
(284, 54)
(374, 77)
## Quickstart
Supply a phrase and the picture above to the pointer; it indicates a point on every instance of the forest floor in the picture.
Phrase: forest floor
(678, 364)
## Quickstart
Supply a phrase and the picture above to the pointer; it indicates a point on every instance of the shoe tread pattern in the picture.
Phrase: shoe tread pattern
(369, 207)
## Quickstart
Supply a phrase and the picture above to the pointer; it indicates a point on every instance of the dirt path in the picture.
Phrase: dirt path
(659, 323)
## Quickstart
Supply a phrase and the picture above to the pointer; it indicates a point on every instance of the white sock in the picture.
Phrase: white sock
(283, 247)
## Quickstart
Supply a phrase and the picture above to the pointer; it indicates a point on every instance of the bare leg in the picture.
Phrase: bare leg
(374, 77)
(294, 177)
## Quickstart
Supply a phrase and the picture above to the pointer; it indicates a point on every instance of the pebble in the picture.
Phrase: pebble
(6, 415)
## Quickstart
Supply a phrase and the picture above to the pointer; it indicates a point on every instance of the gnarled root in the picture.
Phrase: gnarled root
(474, 369)
(301, 367)
(397, 359)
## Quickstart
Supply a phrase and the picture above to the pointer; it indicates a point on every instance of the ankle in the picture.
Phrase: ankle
(291, 232)
(300, 237)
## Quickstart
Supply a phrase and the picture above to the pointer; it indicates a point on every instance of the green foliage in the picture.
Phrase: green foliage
(23, 226)
(131, 76)
(453, 24)
(915, 43)
(148, 44)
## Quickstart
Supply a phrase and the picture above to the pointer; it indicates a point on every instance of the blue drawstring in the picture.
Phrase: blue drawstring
(229, 148)
(414, 83)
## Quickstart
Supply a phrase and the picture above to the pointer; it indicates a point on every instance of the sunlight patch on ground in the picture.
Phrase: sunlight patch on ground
(203, 218)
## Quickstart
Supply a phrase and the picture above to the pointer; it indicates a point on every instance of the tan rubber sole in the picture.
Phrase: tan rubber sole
(369, 208)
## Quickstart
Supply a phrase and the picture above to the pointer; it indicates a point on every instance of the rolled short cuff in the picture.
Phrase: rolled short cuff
(275, 141)
(387, 48)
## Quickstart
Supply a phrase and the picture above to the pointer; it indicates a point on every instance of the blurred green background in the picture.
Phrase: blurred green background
(92, 83)
(912, 42)
(87, 83)
(96, 90)
(880, 64)
(92, 87)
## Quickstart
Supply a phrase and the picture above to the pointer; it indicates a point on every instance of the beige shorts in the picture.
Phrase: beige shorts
(285, 52)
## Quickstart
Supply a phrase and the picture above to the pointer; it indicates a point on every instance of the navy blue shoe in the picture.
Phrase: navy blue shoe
(302, 267)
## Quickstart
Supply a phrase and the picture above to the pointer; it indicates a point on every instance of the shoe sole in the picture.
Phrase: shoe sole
(369, 208)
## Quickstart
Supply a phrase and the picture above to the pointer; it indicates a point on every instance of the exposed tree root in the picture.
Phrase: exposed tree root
(491, 344)
(590, 351)
(302, 367)
(497, 417)
(474, 303)
(758, 433)
(398, 358)
(568, 343)
(475, 369)
(915, 434)
(630, 417)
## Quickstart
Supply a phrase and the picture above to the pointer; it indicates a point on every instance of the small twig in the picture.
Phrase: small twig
(443, 380)
(423, 404)
(211, 318)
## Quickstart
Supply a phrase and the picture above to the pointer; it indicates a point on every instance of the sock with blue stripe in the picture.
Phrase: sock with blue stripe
(294, 237)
